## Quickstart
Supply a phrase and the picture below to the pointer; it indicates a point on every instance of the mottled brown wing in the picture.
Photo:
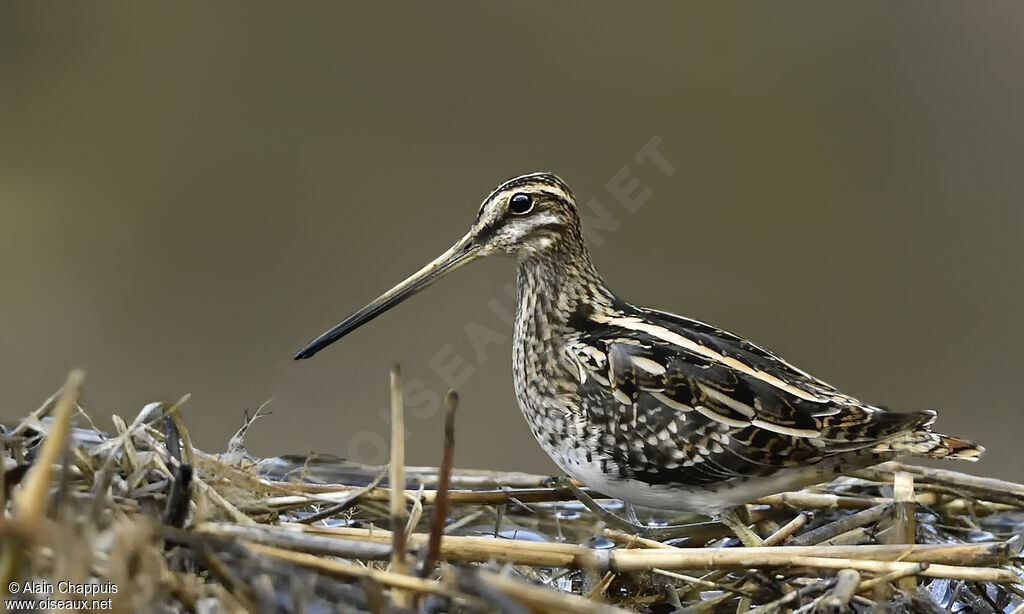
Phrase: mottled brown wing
(678, 415)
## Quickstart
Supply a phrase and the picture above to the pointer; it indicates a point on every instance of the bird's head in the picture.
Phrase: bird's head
(527, 216)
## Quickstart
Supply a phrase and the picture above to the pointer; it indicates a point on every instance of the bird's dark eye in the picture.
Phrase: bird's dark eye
(520, 203)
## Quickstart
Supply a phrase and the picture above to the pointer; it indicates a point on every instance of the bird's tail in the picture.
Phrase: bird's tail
(921, 441)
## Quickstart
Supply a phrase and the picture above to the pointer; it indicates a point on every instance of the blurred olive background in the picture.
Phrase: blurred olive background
(192, 191)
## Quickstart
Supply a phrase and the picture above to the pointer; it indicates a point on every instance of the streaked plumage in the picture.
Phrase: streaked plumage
(650, 407)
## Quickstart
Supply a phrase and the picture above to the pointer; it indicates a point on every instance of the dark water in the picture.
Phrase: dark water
(190, 192)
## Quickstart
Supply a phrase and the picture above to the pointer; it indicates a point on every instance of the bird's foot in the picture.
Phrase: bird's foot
(736, 519)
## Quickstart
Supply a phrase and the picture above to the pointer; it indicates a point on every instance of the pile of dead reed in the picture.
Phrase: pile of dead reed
(173, 528)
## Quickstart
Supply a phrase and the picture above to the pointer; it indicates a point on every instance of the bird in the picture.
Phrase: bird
(655, 409)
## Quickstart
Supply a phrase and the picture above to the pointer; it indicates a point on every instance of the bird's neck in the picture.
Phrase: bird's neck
(554, 284)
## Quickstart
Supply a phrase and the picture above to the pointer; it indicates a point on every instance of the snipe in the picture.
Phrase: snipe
(653, 408)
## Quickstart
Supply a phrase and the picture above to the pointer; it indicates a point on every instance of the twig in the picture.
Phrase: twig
(1017, 610)
(788, 529)
(598, 589)
(374, 596)
(35, 419)
(178, 499)
(110, 448)
(186, 440)
(838, 598)
(172, 439)
(227, 578)
(989, 489)
(860, 535)
(869, 585)
(451, 402)
(345, 503)
(204, 488)
(842, 525)
(795, 596)
(702, 582)
(236, 445)
(504, 604)
(130, 460)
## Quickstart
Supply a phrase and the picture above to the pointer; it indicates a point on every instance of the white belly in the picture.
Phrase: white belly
(709, 501)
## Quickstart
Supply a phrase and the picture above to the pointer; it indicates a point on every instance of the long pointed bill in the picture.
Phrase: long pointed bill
(461, 253)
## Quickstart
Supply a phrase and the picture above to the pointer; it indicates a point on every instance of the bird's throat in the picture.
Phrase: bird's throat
(553, 286)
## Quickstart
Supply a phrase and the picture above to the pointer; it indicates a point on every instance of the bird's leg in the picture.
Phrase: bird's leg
(632, 525)
(630, 512)
(609, 518)
(736, 518)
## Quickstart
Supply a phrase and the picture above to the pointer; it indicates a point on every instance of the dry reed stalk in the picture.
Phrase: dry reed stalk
(469, 548)
(699, 582)
(130, 459)
(987, 489)
(471, 479)
(206, 490)
(426, 497)
(544, 599)
(332, 567)
(817, 501)
(30, 502)
(904, 527)
(298, 541)
(634, 541)
(893, 576)
(252, 562)
(477, 549)
(801, 500)
(186, 440)
(397, 485)
(414, 514)
(875, 559)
